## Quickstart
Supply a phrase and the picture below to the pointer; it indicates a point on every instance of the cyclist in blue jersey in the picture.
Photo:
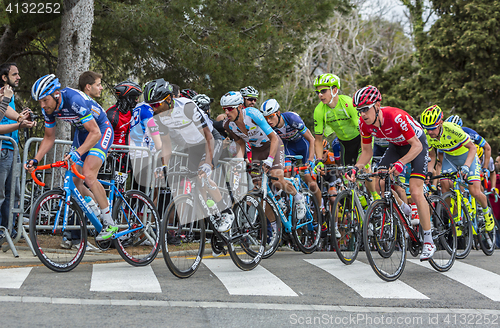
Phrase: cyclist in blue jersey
(477, 139)
(93, 137)
(249, 125)
(297, 139)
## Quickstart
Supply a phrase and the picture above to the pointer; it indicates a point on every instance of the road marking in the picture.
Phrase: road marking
(237, 305)
(122, 277)
(482, 281)
(13, 278)
(258, 281)
(359, 276)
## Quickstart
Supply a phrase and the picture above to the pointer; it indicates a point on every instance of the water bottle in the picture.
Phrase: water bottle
(362, 200)
(93, 206)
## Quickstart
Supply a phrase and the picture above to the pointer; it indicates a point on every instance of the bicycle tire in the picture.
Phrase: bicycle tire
(487, 239)
(306, 232)
(443, 233)
(274, 234)
(138, 248)
(349, 227)
(465, 237)
(384, 240)
(248, 233)
(179, 224)
(46, 242)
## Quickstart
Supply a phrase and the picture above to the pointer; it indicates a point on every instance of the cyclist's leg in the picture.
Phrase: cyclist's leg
(475, 191)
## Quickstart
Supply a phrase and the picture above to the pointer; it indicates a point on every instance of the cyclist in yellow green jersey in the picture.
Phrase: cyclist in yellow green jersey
(335, 113)
(459, 152)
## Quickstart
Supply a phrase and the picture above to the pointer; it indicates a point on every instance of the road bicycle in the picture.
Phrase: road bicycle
(185, 219)
(464, 209)
(305, 233)
(388, 233)
(59, 210)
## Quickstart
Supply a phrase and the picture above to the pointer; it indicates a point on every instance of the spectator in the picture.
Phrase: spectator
(9, 128)
(90, 83)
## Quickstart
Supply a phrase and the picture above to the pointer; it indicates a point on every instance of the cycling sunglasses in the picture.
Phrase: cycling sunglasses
(364, 109)
(158, 103)
(270, 115)
(322, 91)
(229, 108)
(251, 99)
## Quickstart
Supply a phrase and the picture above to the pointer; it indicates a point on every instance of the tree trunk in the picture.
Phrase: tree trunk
(74, 54)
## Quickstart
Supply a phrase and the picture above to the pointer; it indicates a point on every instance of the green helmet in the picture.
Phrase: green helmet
(431, 117)
(328, 79)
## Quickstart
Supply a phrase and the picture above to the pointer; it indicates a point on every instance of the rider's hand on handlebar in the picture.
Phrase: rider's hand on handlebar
(397, 168)
(73, 156)
(31, 165)
(351, 174)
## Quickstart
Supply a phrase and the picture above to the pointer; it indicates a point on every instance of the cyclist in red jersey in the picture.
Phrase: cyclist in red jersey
(407, 144)
(120, 114)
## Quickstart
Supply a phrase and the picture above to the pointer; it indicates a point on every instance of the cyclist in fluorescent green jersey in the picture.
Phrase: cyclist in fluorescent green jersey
(459, 153)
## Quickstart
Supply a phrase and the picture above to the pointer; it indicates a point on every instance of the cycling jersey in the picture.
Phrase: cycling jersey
(255, 123)
(343, 119)
(183, 124)
(475, 137)
(120, 123)
(452, 140)
(139, 135)
(397, 127)
(293, 128)
(76, 108)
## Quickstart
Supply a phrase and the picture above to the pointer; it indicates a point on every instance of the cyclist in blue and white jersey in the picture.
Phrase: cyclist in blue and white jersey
(297, 139)
(93, 137)
(249, 125)
(477, 139)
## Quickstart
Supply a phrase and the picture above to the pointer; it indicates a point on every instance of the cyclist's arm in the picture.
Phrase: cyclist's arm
(432, 155)
(415, 149)
(209, 145)
(312, 144)
(366, 155)
(92, 138)
(318, 145)
(166, 146)
(240, 152)
(273, 138)
(471, 154)
(487, 154)
(154, 133)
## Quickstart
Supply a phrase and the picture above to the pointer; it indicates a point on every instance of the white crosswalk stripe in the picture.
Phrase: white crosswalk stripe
(258, 281)
(482, 281)
(360, 278)
(13, 278)
(122, 277)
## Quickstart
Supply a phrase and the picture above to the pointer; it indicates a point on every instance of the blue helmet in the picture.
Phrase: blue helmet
(455, 119)
(45, 86)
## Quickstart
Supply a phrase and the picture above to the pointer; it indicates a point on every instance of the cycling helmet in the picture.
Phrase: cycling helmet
(203, 102)
(366, 96)
(157, 90)
(269, 107)
(188, 93)
(455, 119)
(431, 117)
(45, 86)
(249, 92)
(330, 80)
(232, 98)
(480, 151)
(127, 89)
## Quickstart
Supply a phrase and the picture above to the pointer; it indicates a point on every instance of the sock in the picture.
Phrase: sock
(485, 210)
(375, 195)
(406, 209)
(298, 197)
(428, 237)
(106, 216)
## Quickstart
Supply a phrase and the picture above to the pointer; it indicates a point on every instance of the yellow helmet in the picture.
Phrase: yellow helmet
(431, 117)
(480, 151)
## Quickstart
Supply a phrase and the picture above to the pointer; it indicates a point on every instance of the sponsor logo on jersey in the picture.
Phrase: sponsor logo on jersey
(399, 120)
(106, 138)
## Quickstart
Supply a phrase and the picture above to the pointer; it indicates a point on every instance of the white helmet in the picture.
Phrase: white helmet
(249, 92)
(232, 98)
(269, 106)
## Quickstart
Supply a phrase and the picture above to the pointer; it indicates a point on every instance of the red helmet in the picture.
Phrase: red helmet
(366, 96)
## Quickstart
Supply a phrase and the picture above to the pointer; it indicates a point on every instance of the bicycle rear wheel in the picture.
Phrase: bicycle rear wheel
(347, 219)
(248, 233)
(183, 237)
(47, 213)
(306, 232)
(443, 233)
(464, 225)
(137, 211)
(384, 240)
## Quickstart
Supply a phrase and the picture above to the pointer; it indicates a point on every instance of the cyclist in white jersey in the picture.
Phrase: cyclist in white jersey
(249, 125)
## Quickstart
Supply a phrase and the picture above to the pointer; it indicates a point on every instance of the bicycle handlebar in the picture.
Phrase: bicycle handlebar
(62, 164)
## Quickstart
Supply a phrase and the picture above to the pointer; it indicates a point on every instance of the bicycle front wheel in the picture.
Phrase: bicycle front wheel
(274, 228)
(183, 237)
(347, 221)
(464, 225)
(248, 233)
(46, 231)
(306, 232)
(136, 212)
(384, 240)
(443, 233)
